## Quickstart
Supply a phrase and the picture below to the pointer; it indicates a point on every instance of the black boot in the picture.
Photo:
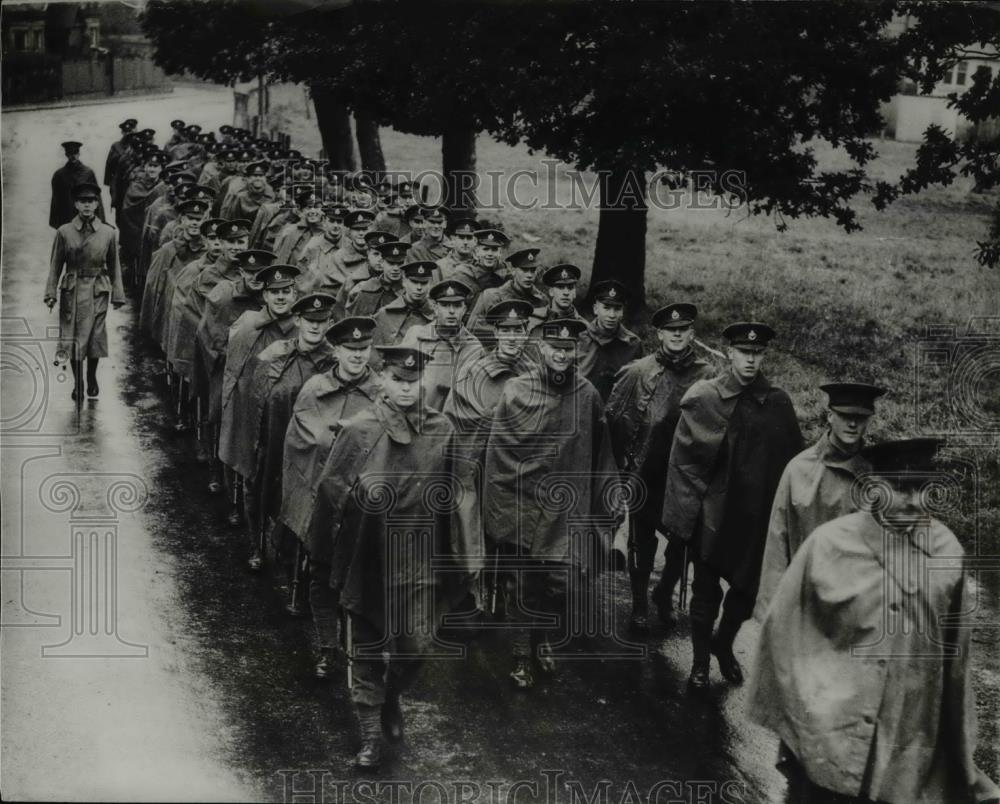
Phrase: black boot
(392, 717)
(663, 592)
(370, 755)
(722, 648)
(324, 665)
(701, 641)
(92, 388)
(638, 623)
(74, 366)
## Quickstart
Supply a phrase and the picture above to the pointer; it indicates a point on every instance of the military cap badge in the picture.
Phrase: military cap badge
(564, 274)
(277, 276)
(251, 260)
(751, 335)
(409, 362)
(356, 334)
(317, 304)
(675, 315)
(612, 293)
(564, 332)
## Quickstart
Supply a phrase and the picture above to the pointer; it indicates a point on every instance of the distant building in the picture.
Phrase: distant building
(53, 51)
(909, 113)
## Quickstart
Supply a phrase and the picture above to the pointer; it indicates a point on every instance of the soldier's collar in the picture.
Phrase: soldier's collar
(603, 337)
(729, 386)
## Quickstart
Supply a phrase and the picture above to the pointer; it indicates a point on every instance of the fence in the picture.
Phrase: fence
(48, 78)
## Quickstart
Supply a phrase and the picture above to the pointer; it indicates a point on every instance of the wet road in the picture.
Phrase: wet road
(194, 684)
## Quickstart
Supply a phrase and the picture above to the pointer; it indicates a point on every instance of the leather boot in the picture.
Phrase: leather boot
(722, 648)
(92, 388)
(324, 665)
(701, 640)
(638, 623)
(521, 675)
(392, 717)
(370, 755)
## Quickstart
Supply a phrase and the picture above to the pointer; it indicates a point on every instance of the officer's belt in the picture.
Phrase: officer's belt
(87, 273)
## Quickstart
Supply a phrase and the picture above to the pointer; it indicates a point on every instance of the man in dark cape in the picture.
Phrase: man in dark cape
(279, 373)
(245, 202)
(321, 271)
(249, 335)
(132, 212)
(735, 436)
(524, 265)
(445, 340)
(411, 308)
(388, 490)
(370, 295)
(63, 207)
(169, 259)
(296, 235)
(348, 387)
(477, 389)
(642, 412)
(549, 466)
(115, 156)
(607, 344)
(187, 306)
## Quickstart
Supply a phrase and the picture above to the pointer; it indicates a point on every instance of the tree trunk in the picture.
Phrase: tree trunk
(334, 129)
(458, 164)
(621, 233)
(369, 143)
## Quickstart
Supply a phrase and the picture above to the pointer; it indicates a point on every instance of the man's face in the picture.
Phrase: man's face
(391, 271)
(363, 199)
(213, 247)
(234, 247)
(311, 332)
(351, 361)
(746, 363)
(252, 282)
(334, 227)
(448, 314)
(434, 229)
(153, 172)
(488, 256)
(558, 355)
(279, 300)
(415, 290)
(374, 261)
(86, 207)
(464, 244)
(608, 316)
(562, 296)
(848, 428)
(313, 215)
(73, 157)
(523, 278)
(675, 339)
(905, 505)
(417, 227)
(256, 182)
(358, 236)
(511, 340)
(191, 222)
(402, 393)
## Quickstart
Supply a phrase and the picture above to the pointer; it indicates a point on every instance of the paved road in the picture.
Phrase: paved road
(193, 685)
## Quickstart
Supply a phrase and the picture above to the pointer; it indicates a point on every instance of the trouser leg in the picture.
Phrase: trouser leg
(737, 608)
(324, 604)
(644, 553)
(673, 568)
(706, 595)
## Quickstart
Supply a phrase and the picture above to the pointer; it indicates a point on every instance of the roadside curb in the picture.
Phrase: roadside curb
(67, 104)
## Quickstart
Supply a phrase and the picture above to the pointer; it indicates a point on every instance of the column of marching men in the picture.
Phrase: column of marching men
(408, 418)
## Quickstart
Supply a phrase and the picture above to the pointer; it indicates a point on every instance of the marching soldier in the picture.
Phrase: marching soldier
(390, 604)
(84, 270)
(486, 270)
(63, 206)
(642, 413)
(561, 282)
(470, 406)
(251, 333)
(735, 436)
(863, 668)
(280, 371)
(170, 192)
(320, 270)
(410, 308)
(461, 234)
(606, 345)
(413, 220)
(245, 201)
(549, 432)
(348, 264)
(323, 404)
(816, 486)
(294, 238)
(445, 341)
(170, 258)
(225, 303)
(371, 295)
(132, 212)
(431, 246)
(115, 156)
(521, 285)
(187, 305)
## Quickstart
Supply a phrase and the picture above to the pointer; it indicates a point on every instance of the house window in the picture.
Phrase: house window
(20, 40)
(961, 70)
(39, 44)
